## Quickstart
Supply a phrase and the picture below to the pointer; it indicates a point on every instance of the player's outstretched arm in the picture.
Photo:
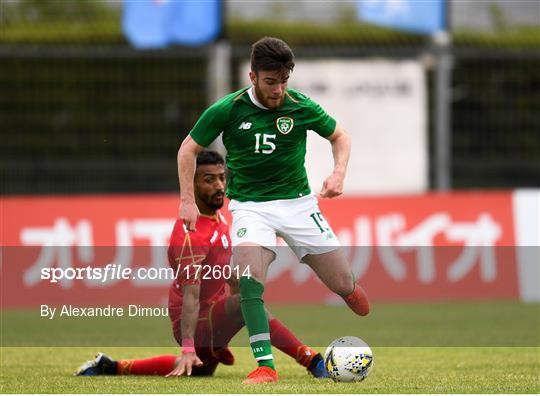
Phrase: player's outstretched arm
(186, 160)
(189, 318)
(341, 149)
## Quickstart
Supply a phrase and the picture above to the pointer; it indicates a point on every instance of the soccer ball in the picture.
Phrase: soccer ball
(348, 359)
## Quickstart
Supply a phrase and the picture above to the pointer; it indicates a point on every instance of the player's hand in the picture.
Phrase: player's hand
(189, 213)
(185, 365)
(332, 186)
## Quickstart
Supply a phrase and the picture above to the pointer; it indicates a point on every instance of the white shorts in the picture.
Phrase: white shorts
(298, 221)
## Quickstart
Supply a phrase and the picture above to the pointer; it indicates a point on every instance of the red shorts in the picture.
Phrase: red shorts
(214, 331)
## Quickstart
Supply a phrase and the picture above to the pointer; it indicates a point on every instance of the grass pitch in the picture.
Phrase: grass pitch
(424, 348)
(396, 370)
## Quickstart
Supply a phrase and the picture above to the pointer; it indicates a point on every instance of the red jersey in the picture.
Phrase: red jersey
(200, 257)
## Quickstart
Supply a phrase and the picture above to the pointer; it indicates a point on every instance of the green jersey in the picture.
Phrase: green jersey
(266, 148)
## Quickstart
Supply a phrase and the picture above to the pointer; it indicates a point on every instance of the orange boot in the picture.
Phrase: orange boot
(358, 301)
(261, 374)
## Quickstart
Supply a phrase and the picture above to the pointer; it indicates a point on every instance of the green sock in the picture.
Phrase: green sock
(252, 306)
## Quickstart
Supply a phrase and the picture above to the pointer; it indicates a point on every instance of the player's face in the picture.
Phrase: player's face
(209, 187)
(270, 87)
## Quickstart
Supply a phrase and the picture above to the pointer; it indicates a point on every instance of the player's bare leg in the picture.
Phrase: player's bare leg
(256, 259)
(334, 271)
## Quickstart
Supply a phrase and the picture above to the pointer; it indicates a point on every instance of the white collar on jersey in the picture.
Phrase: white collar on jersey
(254, 99)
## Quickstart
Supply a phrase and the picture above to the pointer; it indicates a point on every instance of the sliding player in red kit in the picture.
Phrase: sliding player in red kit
(204, 314)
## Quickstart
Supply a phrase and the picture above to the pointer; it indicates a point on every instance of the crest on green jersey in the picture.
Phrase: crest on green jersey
(284, 124)
(241, 232)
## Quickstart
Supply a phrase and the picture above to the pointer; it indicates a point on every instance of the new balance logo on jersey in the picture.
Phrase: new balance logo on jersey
(245, 126)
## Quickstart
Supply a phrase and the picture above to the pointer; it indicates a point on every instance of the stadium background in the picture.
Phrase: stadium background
(91, 128)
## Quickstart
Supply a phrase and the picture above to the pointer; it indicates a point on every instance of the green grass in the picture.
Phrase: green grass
(451, 324)
(396, 370)
(453, 347)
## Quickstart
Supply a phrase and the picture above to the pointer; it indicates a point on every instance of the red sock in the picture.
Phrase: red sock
(358, 301)
(284, 340)
(158, 365)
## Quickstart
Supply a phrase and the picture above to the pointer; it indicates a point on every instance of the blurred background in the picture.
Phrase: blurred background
(84, 111)
(440, 218)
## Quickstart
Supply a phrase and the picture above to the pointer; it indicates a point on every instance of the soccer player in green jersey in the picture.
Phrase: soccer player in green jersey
(264, 131)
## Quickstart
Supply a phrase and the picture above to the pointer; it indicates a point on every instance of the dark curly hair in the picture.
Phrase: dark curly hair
(271, 54)
(209, 157)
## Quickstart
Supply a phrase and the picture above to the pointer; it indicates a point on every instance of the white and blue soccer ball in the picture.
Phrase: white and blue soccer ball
(348, 359)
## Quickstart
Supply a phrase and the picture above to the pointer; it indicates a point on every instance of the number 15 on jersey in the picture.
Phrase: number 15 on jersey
(266, 146)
